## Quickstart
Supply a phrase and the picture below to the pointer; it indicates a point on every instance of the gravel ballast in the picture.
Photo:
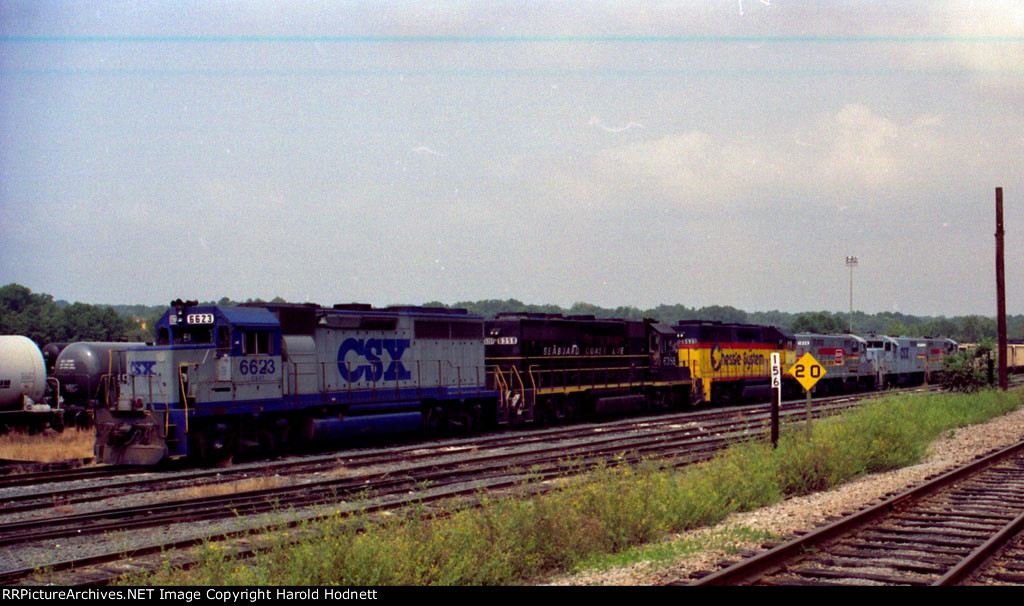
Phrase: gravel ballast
(802, 514)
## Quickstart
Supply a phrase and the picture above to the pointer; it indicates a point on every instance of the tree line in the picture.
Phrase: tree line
(964, 329)
(40, 318)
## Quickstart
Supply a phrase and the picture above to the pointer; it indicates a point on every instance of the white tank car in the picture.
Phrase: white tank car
(22, 373)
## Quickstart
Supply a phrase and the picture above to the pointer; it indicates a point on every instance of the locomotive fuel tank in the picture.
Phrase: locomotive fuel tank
(22, 373)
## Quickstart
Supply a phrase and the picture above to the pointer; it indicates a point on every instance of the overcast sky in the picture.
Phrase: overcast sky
(729, 152)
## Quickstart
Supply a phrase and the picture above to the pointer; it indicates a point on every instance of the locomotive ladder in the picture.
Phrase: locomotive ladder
(513, 395)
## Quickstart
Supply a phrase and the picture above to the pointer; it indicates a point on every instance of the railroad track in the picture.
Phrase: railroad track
(72, 471)
(45, 475)
(680, 440)
(677, 443)
(939, 533)
(722, 420)
(602, 446)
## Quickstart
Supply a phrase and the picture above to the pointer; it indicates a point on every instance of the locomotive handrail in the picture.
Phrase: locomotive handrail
(499, 382)
(184, 397)
(522, 386)
(592, 372)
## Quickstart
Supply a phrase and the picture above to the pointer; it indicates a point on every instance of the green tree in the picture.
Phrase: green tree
(822, 323)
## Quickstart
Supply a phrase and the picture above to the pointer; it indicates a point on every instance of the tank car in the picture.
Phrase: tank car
(548, 367)
(844, 357)
(87, 374)
(226, 379)
(23, 385)
(50, 354)
(730, 361)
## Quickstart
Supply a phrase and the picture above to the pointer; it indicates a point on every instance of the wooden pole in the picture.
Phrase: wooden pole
(1001, 292)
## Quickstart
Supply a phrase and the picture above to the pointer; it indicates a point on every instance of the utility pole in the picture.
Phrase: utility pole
(851, 262)
(1001, 292)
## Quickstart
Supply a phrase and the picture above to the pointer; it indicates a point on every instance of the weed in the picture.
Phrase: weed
(610, 510)
(48, 446)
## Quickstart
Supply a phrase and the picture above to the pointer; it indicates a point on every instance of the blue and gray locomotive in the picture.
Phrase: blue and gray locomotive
(222, 380)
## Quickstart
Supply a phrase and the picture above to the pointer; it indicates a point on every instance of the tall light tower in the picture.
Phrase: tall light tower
(851, 262)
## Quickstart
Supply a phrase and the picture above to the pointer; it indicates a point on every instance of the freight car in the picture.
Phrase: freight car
(1014, 353)
(23, 386)
(84, 376)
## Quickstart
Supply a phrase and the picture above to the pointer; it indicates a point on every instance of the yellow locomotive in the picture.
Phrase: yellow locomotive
(729, 361)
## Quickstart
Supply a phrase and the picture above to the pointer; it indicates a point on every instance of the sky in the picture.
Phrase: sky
(715, 152)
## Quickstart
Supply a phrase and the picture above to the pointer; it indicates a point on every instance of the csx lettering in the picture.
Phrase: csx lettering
(371, 351)
(142, 368)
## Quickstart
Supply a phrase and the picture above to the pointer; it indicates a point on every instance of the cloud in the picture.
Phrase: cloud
(693, 163)
(865, 149)
(854, 148)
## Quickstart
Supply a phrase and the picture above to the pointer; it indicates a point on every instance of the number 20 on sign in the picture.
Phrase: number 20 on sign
(807, 371)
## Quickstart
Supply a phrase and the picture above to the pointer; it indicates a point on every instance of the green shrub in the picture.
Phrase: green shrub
(967, 371)
(613, 509)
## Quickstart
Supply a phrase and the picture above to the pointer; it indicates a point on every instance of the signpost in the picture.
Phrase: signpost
(808, 372)
(776, 396)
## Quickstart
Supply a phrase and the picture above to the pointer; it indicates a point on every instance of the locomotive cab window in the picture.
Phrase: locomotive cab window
(256, 342)
(223, 337)
(193, 335)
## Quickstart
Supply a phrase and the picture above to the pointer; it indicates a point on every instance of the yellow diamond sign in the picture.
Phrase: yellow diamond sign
(807, 371)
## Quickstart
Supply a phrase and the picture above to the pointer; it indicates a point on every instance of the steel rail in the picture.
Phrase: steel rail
(769, 561)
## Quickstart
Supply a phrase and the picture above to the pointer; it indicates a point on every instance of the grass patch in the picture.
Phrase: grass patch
(48, 446)
(665, 552)
(213, 490)
(608, 511)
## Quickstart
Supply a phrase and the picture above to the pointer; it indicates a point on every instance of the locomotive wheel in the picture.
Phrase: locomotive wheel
(566, 410)
(215, 444)
(470, 417)
(269, 443)
(547, 412)
(273, 438)
(438, 421)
